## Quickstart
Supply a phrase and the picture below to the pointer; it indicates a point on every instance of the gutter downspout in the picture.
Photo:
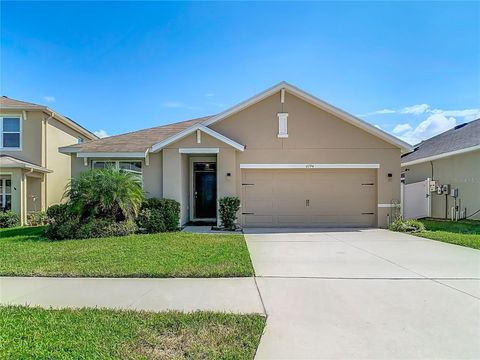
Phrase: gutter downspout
(45, 160)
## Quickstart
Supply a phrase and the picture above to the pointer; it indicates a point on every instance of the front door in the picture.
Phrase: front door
(205, 190)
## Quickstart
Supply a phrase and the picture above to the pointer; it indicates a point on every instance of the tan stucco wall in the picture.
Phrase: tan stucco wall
(31, 136)
(42, 135)
(152, 176)
(315, 136)
(177, 182)
(58, 135)
(460, 171)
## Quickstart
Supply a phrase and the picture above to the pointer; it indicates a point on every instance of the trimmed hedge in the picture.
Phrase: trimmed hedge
(94, 228)
(156, 215)
(9, 219)
(159, 210)
(228, 208)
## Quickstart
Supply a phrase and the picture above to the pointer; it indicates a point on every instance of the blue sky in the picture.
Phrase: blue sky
(412, 69)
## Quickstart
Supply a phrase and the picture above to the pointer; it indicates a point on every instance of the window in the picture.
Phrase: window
(10, 128)
(5, 194)
(134, 167)
(103, 164)
(79, 140)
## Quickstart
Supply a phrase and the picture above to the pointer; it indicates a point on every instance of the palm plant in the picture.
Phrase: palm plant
(105, 193)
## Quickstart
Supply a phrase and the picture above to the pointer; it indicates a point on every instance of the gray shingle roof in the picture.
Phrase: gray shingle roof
(460, 137)
(136, 141)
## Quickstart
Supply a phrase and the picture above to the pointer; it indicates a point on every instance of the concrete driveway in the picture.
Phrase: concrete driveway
(352, 294)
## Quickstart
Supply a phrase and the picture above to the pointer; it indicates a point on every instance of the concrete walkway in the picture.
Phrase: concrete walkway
(365, 294)
(236, 295)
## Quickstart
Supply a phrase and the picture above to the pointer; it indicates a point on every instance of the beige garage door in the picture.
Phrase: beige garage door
(326, 197)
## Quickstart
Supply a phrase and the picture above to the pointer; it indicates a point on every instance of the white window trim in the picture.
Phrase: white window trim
(4, 193)
(199, 150)
(309, 166)
(134, 155)
(117, 164)
(20, 116)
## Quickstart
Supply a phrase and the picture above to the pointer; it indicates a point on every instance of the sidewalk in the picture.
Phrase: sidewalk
(235, 295)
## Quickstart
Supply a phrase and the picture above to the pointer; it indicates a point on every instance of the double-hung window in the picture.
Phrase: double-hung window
(11, 132)
(134, 167)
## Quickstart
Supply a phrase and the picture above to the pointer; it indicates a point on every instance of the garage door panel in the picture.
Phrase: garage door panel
(327, 197)
(260, 220)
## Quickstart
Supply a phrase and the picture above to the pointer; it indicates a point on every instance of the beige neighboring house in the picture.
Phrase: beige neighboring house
(291, 158)
(452, 159)
(33, 173)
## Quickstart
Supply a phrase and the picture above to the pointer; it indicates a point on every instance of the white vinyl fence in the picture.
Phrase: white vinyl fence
(416, 200)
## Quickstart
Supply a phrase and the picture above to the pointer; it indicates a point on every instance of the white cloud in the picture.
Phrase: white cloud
(378, 112)
(378, 127)
(209, 95)
(416, 109)
(466, 114)
(435, 124)
(101, 133)
(401, 128)
(49, 98)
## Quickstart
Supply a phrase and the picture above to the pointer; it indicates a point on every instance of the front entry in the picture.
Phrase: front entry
(205, 190)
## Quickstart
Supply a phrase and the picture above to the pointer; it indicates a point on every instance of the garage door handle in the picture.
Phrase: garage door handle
(248, 213)
(368, 213)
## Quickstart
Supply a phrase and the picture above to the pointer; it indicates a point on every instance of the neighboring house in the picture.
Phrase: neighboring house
(33, 173)
(451, 158)
(293, 160)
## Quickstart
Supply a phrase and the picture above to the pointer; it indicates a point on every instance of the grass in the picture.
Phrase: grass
(462, 232)
(34, 333)
(25, 252)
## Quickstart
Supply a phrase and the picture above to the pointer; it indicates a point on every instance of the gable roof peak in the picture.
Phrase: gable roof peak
(405, 147)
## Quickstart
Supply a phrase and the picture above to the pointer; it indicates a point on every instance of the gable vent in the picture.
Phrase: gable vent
(282, 125)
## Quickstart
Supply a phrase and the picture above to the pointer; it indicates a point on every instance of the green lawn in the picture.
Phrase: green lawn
(25, 252)
(462, 232)
(34, 333)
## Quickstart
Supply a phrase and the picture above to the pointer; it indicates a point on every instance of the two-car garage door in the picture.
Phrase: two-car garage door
(309, 197)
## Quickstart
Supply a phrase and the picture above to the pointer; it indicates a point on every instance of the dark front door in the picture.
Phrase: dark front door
(205, 194)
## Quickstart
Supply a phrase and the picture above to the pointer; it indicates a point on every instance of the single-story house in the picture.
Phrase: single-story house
(291, 158)
(452, 160)
(33, 174)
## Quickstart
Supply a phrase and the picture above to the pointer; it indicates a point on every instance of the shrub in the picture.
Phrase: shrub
(151, 221)
(58, 212)
(37, 218)
(94, 228)
(169, 211)
(97, 228)
(412, 226)
(228, 208)
(105, 194)
(8, 219)
(61, 230)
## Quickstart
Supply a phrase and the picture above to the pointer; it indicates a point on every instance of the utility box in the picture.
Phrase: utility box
(454, 192)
